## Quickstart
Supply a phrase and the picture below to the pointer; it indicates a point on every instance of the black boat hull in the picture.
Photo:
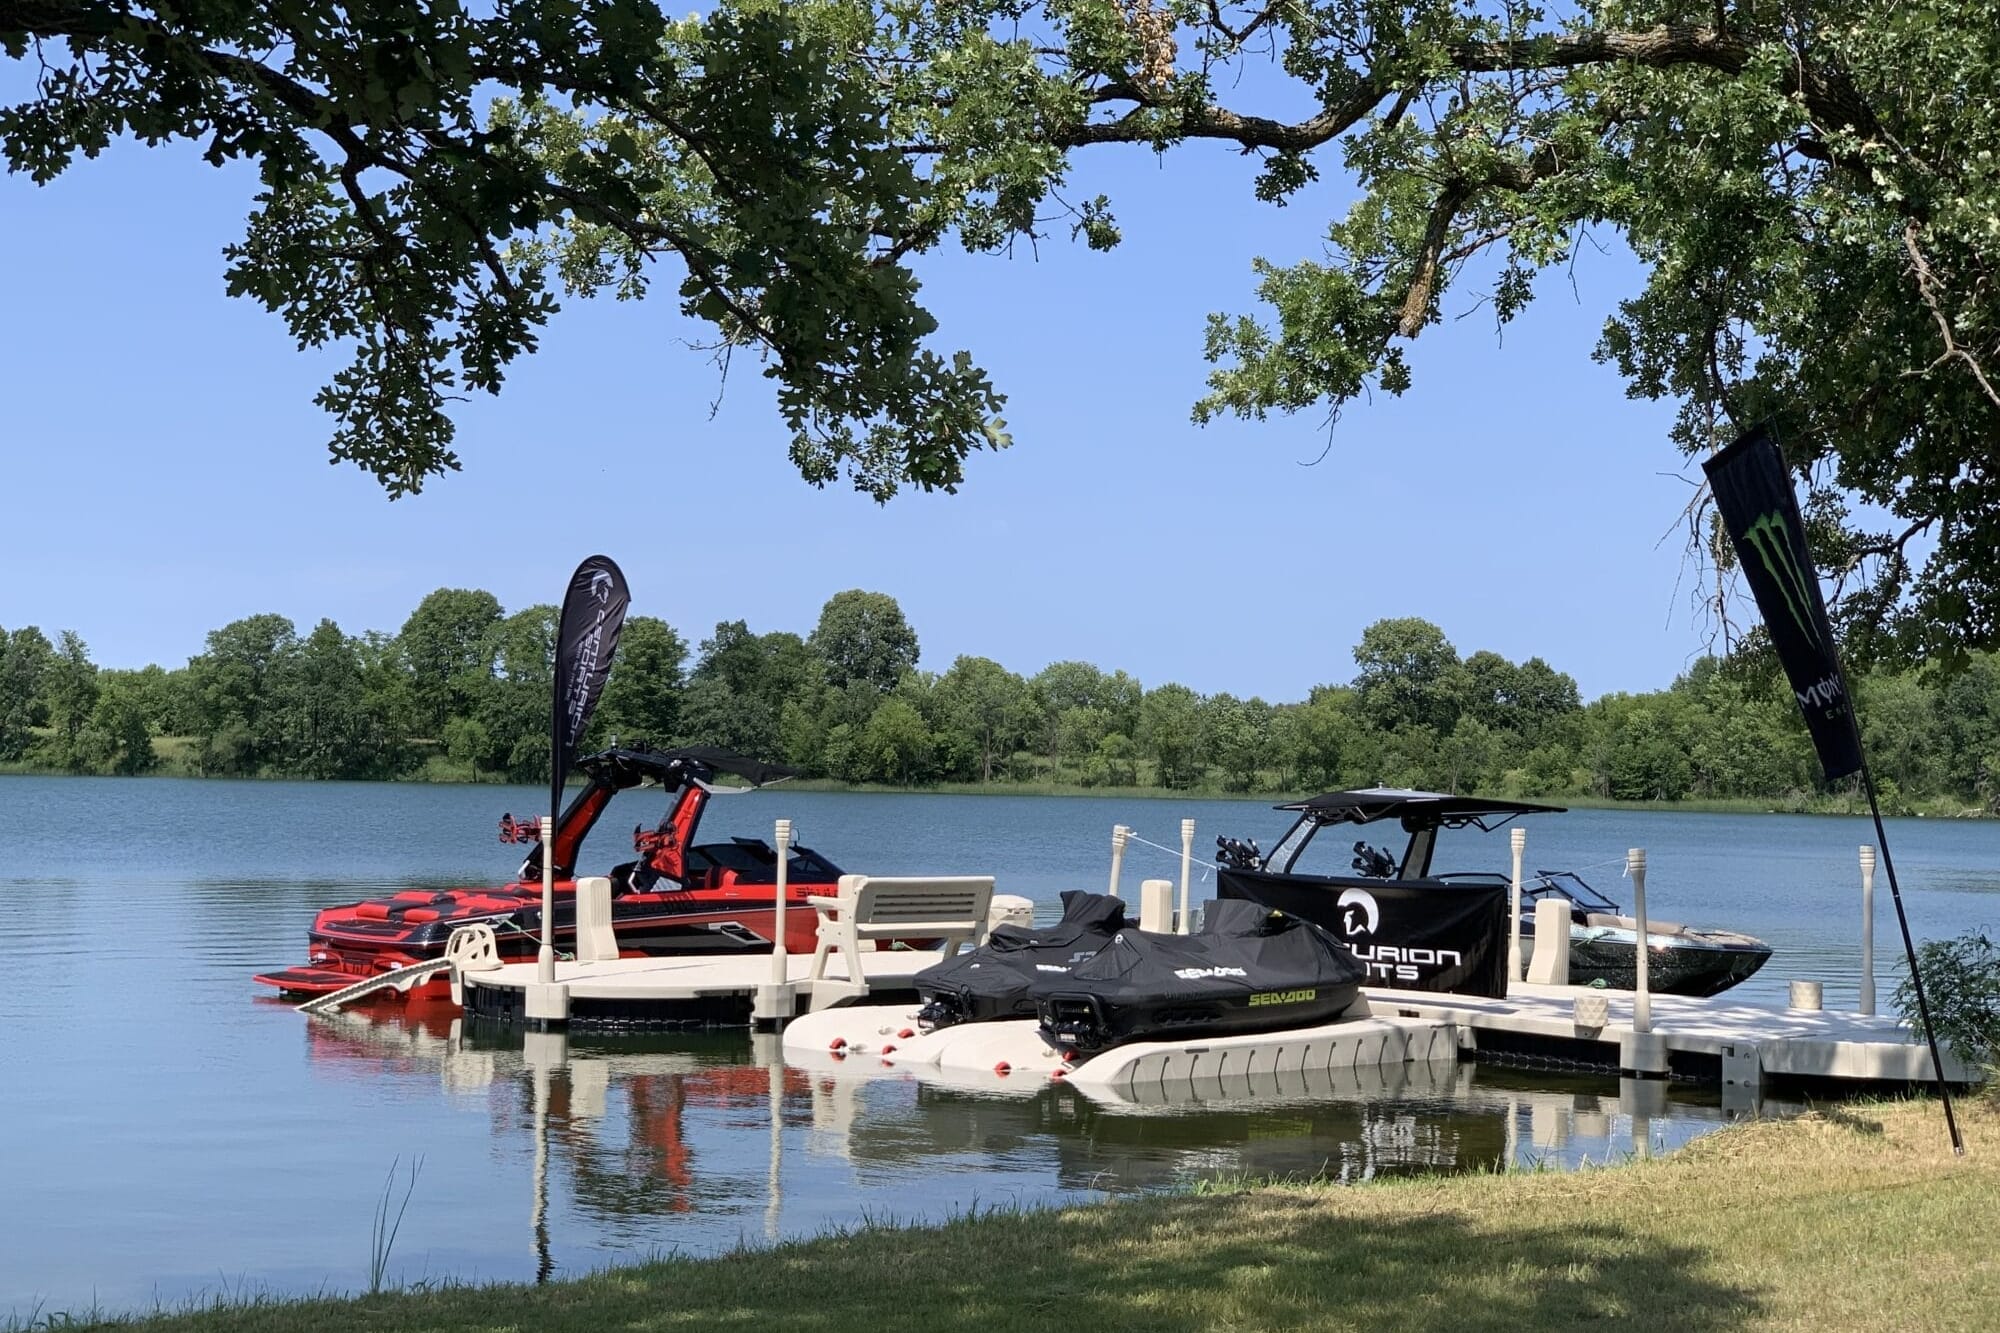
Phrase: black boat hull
(1674, 970)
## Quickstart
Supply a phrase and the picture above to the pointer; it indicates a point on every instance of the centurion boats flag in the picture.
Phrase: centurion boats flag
(1753, 493)
(593, 613)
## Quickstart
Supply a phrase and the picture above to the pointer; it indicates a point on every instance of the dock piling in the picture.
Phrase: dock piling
(545, 956)
(1187, 872)
(1642, 997)
(1519, 838)
(776, 1001)
(1867, 998)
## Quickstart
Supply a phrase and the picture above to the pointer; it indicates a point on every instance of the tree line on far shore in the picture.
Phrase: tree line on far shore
(461, 692)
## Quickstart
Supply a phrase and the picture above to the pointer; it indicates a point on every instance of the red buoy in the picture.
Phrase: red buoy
(1003, 1068)
(890, 1047)
(906, 1034)
(836, 1043)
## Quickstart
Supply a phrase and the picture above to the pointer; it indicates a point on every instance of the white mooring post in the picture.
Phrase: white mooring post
(775, 1001)
(1118, 835)
(782, 836)
(1187, 871)
(1642, 999)
(1520, 840)
(545, 957)
(1867, 1004)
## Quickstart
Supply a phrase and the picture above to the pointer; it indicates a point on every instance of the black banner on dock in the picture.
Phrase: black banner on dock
(1420, 936)
(1753, 493)
(593, 613)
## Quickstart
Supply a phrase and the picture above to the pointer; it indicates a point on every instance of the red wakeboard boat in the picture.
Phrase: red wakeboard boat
(674, 897)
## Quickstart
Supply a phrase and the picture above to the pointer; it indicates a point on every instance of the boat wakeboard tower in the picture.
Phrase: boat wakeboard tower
(673, 896)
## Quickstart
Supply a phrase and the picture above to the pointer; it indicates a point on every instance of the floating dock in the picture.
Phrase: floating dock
(1716, 1040)
(675, 992)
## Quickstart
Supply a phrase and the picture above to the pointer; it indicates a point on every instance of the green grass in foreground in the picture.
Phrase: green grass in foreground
(1857, 1218)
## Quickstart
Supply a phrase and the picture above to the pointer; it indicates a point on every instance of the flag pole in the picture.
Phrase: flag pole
(1910, 951)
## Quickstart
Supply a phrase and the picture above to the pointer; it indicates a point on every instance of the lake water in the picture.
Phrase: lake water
(167, 1133)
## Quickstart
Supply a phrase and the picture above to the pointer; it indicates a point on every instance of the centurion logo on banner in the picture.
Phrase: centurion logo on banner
(1360, 914)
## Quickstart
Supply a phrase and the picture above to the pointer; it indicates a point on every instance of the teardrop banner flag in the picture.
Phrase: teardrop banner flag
(1753, 493)
(593, 613)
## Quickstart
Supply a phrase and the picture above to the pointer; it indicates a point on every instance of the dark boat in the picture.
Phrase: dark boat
(997, 979)
(1421, 930)
(675, 896)
(1681, 960)
(1247, 970)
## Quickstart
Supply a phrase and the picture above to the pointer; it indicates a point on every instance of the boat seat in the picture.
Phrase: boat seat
(1607, 921)
(952, 909)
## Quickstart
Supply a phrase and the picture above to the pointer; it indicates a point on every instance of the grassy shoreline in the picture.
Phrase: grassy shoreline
(1857, 1217)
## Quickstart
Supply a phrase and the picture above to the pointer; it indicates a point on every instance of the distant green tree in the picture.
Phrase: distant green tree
(1326, 736)
(1078, 730)
(513, 708)
(642, 699)
(322, 710)
(1538, 698)
(1468, 756)
(118, 738)
(863, 638)
(987, 703)
(1969, 704)
(1907, 742)
(1238, 736)
(233, 685)
(1115, 762)
(1409, 676)
(897, 743)
(444, 643)
(27, 657)
(1059, 688)
(1170, 730)
(69, 696)
(388, 700)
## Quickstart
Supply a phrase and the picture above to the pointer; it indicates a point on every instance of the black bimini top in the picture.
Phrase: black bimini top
(627, 766)
(1425, 809)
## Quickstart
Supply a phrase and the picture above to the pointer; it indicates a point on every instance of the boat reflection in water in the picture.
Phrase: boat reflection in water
(697, 1143)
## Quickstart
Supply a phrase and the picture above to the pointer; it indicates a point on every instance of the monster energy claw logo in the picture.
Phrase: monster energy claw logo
(1771, 536)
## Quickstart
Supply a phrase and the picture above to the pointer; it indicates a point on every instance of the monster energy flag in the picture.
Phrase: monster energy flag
(586, 638)
(1753, 493)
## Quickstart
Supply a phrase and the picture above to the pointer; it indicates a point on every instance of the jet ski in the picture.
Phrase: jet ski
(1249, 969)
(996, 979)
(675, 896)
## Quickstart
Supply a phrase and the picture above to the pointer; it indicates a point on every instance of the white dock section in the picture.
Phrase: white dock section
(674, 984)
(1751, 1041)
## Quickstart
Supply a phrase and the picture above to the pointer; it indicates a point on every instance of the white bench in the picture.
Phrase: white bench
(951, 909)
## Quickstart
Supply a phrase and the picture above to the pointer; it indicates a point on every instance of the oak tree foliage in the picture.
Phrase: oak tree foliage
(1811, 187)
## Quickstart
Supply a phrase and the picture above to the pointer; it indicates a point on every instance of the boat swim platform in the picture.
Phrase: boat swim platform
(675, 992)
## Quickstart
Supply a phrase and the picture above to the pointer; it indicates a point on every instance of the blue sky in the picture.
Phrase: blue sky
(166, 471)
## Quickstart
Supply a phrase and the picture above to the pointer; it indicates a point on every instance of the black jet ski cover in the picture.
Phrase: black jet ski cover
(1248, 970)
(992, 981)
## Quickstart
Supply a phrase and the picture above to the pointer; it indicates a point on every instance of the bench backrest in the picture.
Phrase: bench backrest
(897, 902)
